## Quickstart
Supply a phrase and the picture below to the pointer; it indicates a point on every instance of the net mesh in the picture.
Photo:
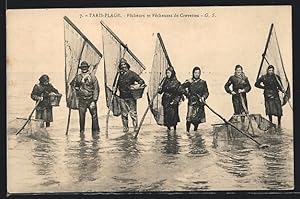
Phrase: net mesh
(273, 57)
(114, 50)
(159, 66)
(77, 49)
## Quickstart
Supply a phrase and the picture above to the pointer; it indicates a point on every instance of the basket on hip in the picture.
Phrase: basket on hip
(55, 99)
(137, 90)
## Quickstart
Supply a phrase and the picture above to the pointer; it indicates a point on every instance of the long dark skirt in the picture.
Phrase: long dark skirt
(273, 106)
(237, 104)
(196, 114)
(45, 114)
(171, 117)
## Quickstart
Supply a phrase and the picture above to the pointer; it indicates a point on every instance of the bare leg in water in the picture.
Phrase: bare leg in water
(196, 127)
(270, 118)
(279, 121)
(188, 126)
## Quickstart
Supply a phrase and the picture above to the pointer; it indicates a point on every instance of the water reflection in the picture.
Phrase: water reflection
(43, 157)
(233, 157)
(126, 163)
(83, 158)
(197, 144)
(170, 143)
(275, 172)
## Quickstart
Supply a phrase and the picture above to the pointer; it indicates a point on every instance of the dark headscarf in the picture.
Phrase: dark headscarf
(270, 66)
(196, 68)
(44, 78)
(242, 75)
(238, 66)
(171, 69)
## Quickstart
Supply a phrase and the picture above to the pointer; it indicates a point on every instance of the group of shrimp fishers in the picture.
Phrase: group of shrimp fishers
(173, 92)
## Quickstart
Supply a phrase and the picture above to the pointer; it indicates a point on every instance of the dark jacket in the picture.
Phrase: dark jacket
(124, 82)
(40, 90)
(172, 92)
(87, 89)
(195, 89)
(270, 85)
(237, 83)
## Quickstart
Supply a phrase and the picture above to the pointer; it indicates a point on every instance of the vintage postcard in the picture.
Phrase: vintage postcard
(154, 99)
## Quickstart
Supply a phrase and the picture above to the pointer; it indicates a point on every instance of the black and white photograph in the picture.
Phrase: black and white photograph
(150, 99)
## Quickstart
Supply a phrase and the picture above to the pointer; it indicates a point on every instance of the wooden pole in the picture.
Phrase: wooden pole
(227, 122)
(265, 50)
(146, 111)
(29, 117)
(68, 123)
(247, 113)
(111, 101)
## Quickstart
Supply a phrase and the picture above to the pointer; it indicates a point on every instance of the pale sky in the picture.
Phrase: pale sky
(237, 35)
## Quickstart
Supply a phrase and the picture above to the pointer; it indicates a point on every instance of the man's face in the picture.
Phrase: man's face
(124, 67)
(270, 71)
(197, 74)
(84, 69)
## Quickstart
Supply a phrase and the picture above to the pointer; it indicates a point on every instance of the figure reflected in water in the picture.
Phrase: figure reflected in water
(172, 94)
(197, 144)
(171, 144)
(41, 94)
(44, 160)
(197, 92)
(88, 158)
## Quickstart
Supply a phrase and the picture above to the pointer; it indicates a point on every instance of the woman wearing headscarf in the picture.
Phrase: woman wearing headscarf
(41, 92)
(271, 85)
(172, 94)
(197, 92)
(240, 86)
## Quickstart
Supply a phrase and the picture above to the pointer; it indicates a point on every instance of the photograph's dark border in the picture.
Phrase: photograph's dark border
(36, 4)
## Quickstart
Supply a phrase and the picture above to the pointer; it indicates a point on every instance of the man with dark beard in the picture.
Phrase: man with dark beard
(172, 94)
(240, 86)
(127, 101)
(271, 85)
(196, 91)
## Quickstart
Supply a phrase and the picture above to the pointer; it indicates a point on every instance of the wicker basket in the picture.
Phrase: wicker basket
(137, 91)
(55, 99)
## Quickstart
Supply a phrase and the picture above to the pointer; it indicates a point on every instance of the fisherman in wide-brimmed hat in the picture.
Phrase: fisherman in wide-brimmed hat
(127, 102)
(87, 90)
(41, 91)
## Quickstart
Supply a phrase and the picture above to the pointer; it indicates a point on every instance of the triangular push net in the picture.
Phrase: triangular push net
(77, 49)
(114, 49)
(159, 65)
(272, 56)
